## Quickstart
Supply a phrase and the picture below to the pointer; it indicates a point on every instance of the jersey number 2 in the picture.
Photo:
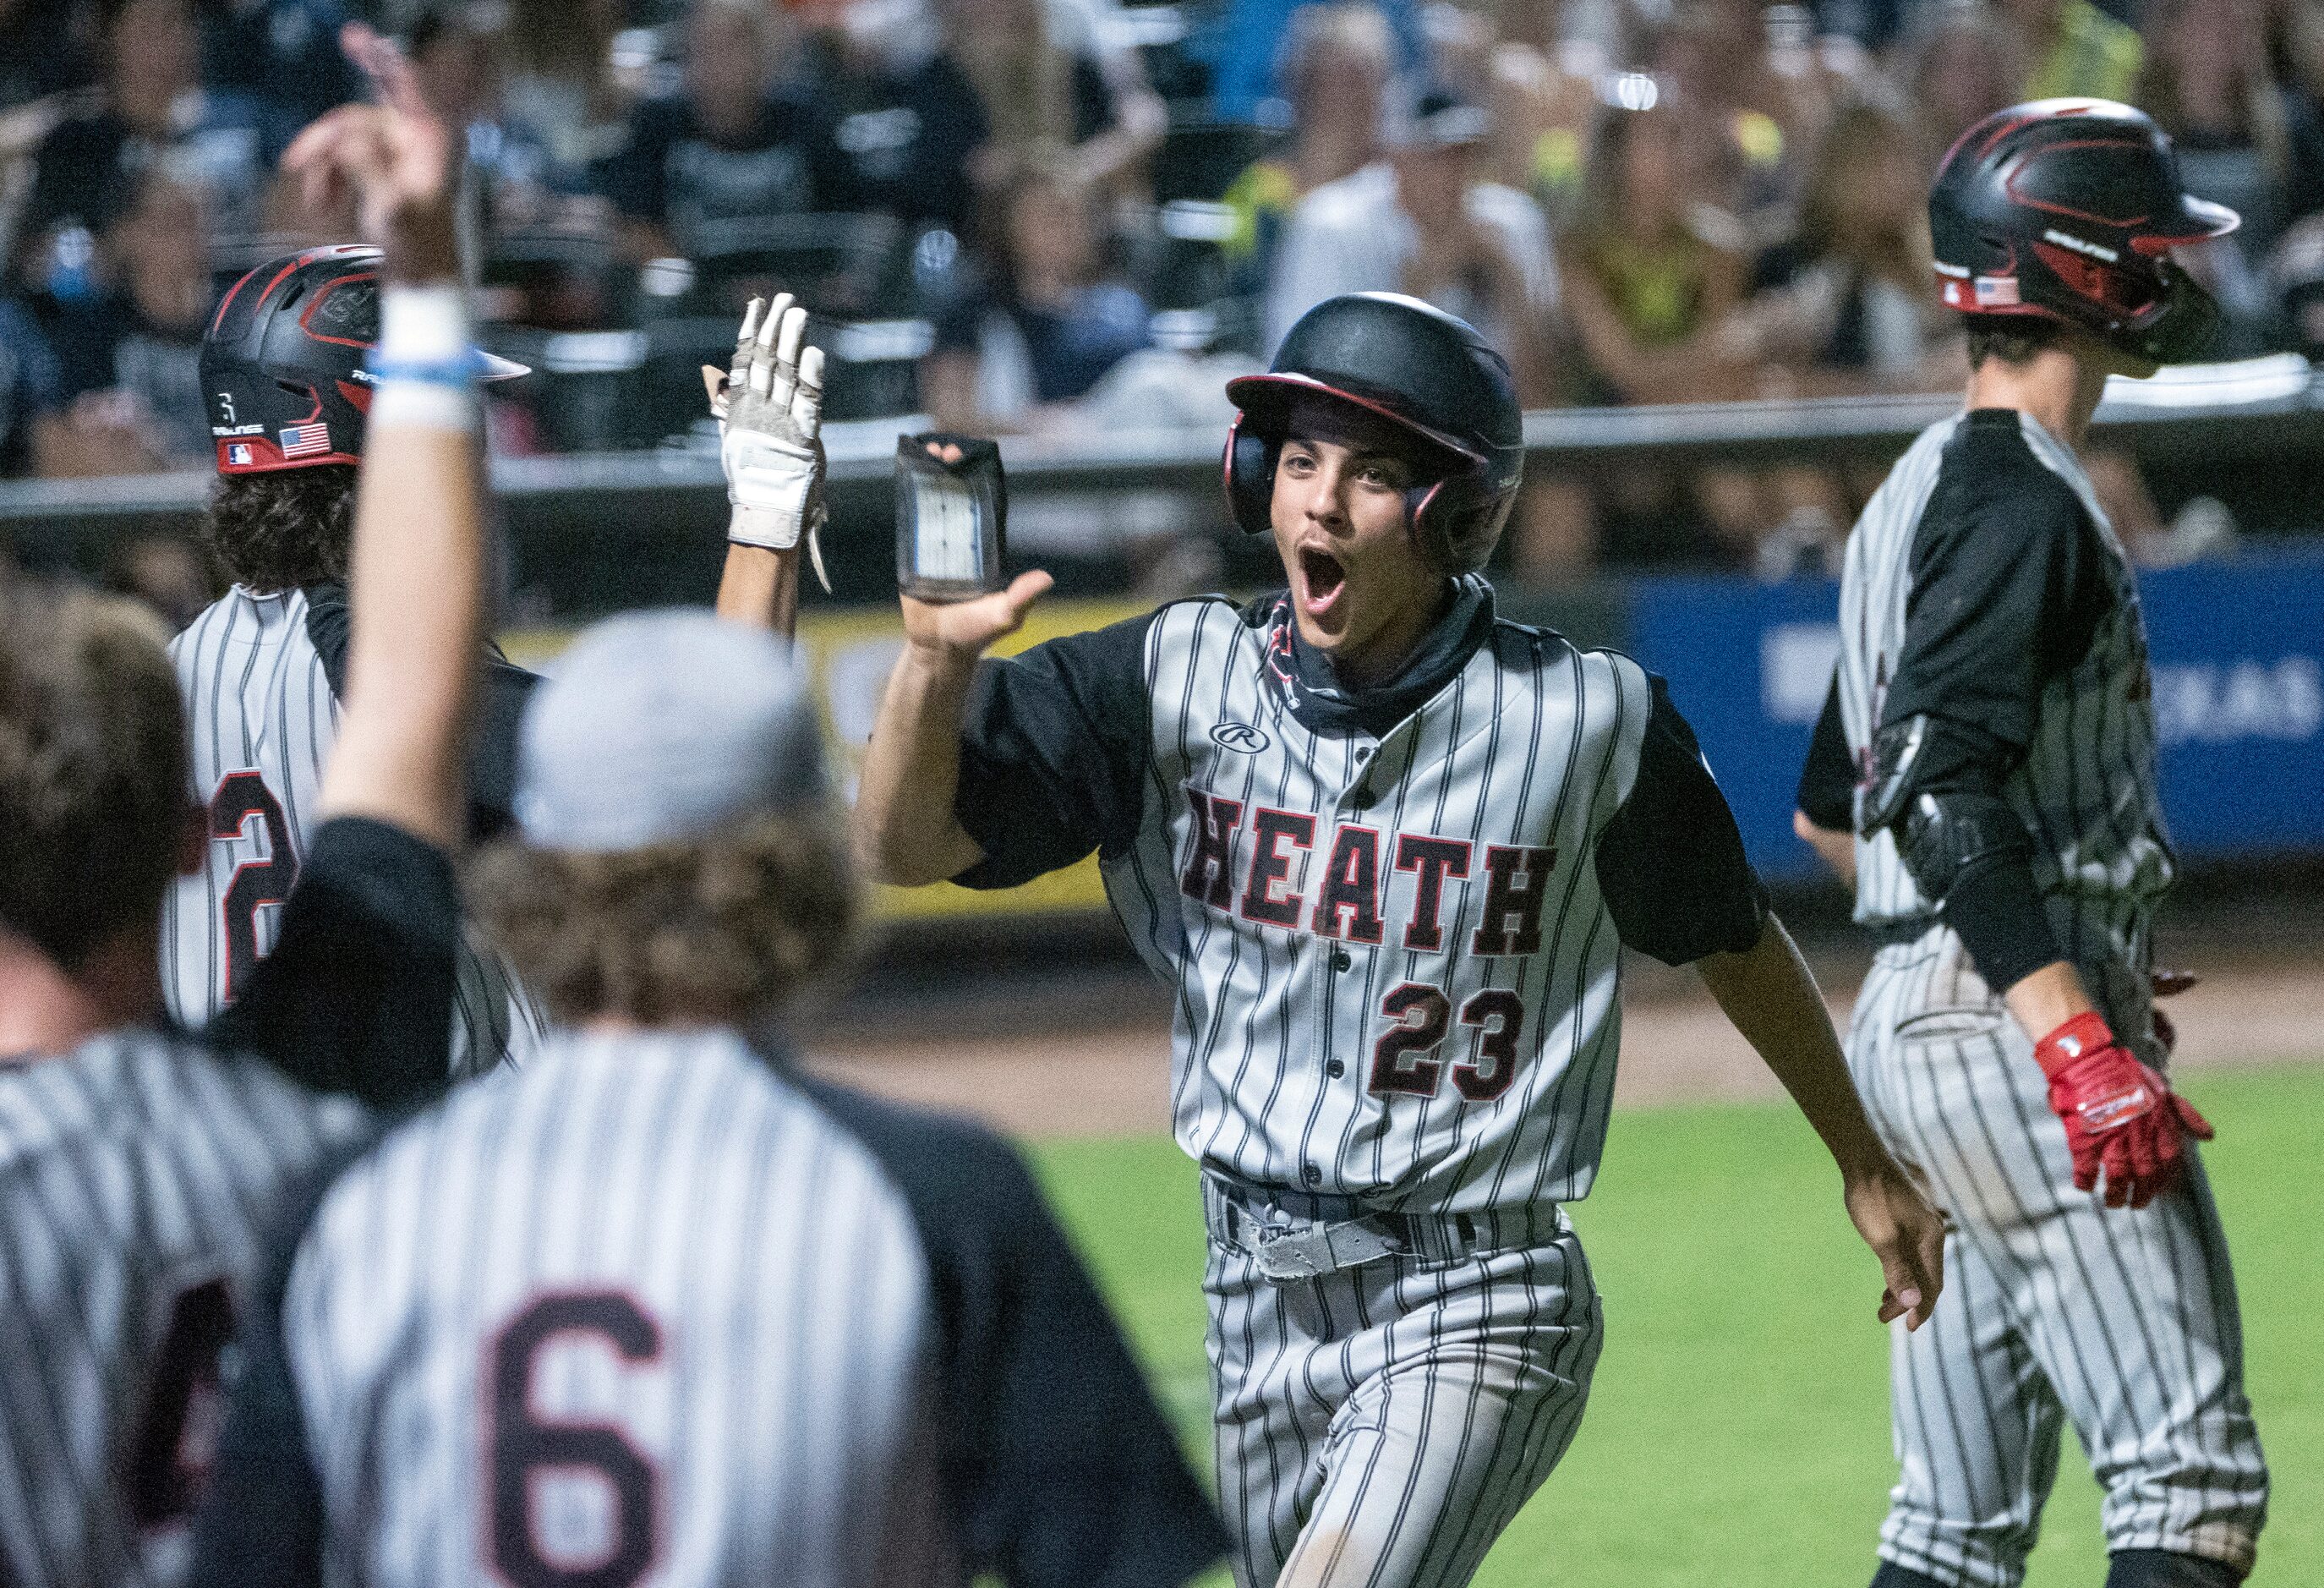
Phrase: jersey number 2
(523, 1448)
(256, 884)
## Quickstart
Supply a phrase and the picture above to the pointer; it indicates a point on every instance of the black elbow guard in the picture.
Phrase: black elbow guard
(1942, 835)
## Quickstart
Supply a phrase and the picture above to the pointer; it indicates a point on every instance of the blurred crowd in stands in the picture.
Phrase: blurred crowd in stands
(1078, 216)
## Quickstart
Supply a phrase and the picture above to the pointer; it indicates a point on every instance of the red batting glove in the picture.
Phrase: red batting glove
(2121, 1116)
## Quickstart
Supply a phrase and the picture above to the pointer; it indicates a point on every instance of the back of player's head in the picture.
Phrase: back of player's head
(679, 857)
(92, 770)
(285, 530)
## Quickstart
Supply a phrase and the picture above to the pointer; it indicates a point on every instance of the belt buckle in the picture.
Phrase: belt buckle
(1284, 1253)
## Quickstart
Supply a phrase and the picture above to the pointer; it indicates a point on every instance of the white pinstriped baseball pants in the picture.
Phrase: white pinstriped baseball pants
(1380, 1426)
(2055, 1308)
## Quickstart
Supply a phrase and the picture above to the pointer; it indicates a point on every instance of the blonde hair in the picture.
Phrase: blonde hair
(728, 930)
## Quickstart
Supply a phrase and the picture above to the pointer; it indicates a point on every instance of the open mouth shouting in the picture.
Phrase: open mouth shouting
(1322, 580)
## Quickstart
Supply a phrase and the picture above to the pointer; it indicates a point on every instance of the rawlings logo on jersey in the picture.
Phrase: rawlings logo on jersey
(1263, 878)
(1240, 737)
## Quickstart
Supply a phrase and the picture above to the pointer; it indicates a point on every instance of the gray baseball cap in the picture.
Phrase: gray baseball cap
(659, 726)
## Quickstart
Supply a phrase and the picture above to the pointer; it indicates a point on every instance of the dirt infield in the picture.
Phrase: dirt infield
(1109, 1075)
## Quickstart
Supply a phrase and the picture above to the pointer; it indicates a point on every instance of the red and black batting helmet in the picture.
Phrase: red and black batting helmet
(2067, 209)
(282, 363)
(1430, 373)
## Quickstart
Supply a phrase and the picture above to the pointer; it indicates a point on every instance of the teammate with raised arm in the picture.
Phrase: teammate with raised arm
(1385, 848)
(651, 1306)
(140, 1167)
(1990, 742)
(287, 375)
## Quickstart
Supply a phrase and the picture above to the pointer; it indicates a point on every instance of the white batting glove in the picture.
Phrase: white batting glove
(770, 409)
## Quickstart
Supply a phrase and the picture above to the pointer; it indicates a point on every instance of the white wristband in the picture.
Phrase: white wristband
(422, 325)
(424, 404)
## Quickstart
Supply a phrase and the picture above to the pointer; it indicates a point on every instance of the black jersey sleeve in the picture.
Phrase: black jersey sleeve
(501, 695)
(1671, 862)
(1061, 1469)
(1827, 795)
(1053, 752)
(2008, 587)
(356, 997)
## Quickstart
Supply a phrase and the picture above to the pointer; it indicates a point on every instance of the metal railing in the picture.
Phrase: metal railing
(603, 530)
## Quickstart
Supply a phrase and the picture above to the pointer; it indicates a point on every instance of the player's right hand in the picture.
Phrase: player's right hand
(1906, 1233)
(2123, 1122)
(959, 631)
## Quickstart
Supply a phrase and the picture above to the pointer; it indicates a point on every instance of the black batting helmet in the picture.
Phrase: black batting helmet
(1429, 372)
(2067, 209)
(282, 363)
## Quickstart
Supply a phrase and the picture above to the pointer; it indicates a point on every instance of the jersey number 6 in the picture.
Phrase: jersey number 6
(526, 1449)
(1402, 1059)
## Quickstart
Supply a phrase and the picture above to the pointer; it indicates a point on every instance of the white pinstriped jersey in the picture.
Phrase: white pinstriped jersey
(261, 720)
(1418, 911)
(637, 1307)
(139, 1175)
(2086, 789)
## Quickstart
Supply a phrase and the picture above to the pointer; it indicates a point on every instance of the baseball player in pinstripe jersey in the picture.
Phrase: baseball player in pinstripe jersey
(140, 1168)
(1386, 849)
(264, 668)
(1992, 711)
(652, 1307)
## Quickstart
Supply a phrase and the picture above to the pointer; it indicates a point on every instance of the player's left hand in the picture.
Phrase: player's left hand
(2168, 984)
(1906, 1233)
(2122, 1119)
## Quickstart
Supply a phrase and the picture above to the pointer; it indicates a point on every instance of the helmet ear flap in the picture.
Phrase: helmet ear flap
(1250, 478)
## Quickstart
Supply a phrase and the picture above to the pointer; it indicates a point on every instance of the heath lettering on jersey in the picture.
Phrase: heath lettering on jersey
(1258, 863)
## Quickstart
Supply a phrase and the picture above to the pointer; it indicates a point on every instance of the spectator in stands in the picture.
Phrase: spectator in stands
(729, 147)
(558, 89)
(1044, 329)
(31, 403)
(2207, 82)
(1052, 96)
(456, 57)
(130, 358)
(2300, 44)
(1849, 308)
(285, 52)
(1650, 270)
(1542, 106)
(47, 47)
(907, 122)
(2075, 49)
(166, 571)
(1424, 222)
(1253, 74)
(155, 114)
(1965, 64)
(1336, 71)
(1743, 98)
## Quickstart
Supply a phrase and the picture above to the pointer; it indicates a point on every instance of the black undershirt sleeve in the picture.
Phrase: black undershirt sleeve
(1062, 1470)
(1053, 749)
(2008, 588)
(356, 997)
(1671, 862)
(262, 1518)
(1827, 795)
(501, 695)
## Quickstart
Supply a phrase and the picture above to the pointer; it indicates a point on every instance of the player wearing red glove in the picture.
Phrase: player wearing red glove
(2121, 1116)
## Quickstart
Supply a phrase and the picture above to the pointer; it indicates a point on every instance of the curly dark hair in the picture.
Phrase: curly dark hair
(727, 929)
(285, 530)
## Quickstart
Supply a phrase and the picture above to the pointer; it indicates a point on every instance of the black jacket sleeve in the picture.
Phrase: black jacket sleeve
(1052, 752)
(261, 1523)
(501, 695)
(356, 997)
(2008, 589)
(1062, 1470)
(1671, 862)
(1827, 794)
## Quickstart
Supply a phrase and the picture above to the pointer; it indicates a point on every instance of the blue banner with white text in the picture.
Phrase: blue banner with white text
(2238, 655)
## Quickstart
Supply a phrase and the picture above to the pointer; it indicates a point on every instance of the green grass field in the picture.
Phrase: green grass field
(1738, 1432)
